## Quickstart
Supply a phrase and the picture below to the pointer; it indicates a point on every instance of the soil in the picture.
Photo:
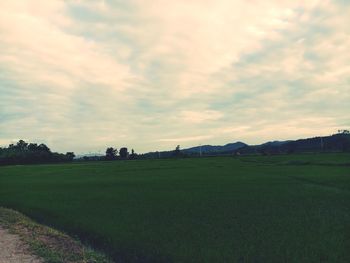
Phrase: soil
(13, 250)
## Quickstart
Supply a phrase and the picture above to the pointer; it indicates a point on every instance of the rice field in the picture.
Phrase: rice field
(288, 208)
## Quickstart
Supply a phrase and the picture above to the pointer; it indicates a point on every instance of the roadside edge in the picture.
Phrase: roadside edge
(47, 243)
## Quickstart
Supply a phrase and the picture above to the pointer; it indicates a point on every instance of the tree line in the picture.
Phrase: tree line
(31, 153)
(112, 154)
(23, 152)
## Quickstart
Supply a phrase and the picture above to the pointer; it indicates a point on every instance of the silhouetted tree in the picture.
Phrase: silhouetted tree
(111, 153)
(24, 153)
(33, 147)
(123, 152)
(177, 151)
(44, 148)
(21, 145)
(70, 156)
(133, 155)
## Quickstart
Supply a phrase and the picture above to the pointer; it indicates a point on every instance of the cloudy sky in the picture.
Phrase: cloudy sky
(84, 75)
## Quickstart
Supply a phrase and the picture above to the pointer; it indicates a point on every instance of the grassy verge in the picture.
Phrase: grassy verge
(51, 245)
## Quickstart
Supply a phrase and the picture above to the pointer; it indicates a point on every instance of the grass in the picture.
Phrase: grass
(291, 208)
(51, 245)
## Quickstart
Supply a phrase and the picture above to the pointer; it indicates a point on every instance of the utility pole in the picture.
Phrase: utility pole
(200, 150)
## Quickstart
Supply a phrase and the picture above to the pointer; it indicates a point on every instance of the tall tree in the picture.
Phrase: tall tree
(133, 155)
(123, 152)
(22, 145)
(27, 153)
(177, 151)
(70, 156)
(111, 153)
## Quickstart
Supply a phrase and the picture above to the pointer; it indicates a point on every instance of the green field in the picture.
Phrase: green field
(293, 208)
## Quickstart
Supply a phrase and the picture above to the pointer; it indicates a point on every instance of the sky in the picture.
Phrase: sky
(83, 75)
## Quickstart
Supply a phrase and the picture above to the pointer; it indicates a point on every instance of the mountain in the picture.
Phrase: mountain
(275, 143)
(207, 149)
(333, 143)
(195, 151)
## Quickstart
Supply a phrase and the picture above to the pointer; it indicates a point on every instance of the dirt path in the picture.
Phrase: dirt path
(21, 239)
(13, 250)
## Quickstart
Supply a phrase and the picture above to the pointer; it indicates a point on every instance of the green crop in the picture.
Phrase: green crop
(288, 208)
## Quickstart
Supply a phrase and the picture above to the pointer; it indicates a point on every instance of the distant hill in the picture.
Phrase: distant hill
(333, 143)
(195, 151)
(206, 149)
(275, 143)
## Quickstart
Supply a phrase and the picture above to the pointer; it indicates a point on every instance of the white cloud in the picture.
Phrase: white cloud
(38, 50)
(186, 139)
(196, 117)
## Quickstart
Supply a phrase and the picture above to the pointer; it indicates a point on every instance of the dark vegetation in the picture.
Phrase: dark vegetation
(276, 208)
(31, 153)
(335, 143)
(112, 154)
(339, 142)
(211, 149)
